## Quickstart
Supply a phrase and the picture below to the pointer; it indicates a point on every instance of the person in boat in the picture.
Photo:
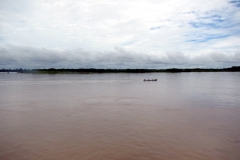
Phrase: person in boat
(150, 80)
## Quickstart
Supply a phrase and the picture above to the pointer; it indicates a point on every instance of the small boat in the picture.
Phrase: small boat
(150, 80)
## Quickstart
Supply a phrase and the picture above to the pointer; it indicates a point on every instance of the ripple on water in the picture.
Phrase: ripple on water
(99, 100)
(128, 100)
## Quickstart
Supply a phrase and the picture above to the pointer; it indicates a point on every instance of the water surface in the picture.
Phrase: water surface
(118, 116)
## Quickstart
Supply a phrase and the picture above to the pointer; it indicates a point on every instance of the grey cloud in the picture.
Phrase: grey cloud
(177, 58)
(12, 56)
(221, 57)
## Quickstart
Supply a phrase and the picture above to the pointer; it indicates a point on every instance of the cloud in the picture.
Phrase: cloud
(33, 57)
(154, 30)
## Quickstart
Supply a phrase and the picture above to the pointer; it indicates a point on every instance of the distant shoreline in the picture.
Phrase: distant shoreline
(94, 70)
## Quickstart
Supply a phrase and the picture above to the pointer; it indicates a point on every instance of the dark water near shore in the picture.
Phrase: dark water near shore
(120, 117)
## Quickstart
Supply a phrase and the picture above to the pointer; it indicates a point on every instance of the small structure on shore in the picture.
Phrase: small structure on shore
(150, 80)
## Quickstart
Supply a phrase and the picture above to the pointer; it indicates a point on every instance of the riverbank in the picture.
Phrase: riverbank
(95, 70)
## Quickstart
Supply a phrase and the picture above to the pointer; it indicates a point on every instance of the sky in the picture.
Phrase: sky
(119, 33)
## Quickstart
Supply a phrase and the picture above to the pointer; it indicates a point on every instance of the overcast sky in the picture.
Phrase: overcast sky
(119, 33)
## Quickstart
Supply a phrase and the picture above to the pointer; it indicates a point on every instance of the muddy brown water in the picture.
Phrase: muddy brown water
(119, 116)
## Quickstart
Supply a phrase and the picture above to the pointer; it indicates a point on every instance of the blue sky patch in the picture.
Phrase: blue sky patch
(202, 24)
(236, 3)
(213, 21)
(215, 18)
(206, 38)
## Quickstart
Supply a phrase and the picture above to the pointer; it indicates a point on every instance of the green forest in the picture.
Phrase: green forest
(95, 70)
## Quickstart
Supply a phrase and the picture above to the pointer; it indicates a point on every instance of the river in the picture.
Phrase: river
(119, 116)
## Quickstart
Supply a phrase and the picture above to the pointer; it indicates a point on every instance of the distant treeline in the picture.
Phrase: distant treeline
(95, 70)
